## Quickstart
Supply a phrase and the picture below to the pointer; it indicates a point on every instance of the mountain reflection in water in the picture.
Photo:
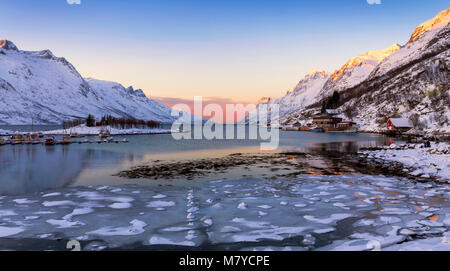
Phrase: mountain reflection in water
(27, 169)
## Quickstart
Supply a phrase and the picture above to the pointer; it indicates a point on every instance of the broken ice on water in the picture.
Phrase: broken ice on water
(307, 213)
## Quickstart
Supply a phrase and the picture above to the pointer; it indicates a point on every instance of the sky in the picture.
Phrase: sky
(233, 50)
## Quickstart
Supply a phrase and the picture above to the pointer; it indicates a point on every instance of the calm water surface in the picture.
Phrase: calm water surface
(35, 168)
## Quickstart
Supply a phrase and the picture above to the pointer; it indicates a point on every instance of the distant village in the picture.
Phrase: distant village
(332, 120)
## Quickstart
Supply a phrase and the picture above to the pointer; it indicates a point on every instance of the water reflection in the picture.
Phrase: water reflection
(32, 168)
(338, 147)
(27, 169)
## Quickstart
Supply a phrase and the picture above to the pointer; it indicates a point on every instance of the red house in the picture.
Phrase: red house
(399, 124)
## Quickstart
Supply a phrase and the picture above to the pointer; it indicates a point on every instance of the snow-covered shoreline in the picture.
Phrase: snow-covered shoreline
(84, 130)
(6, 132)
(87, 131)
(417, 161)
(413, 132)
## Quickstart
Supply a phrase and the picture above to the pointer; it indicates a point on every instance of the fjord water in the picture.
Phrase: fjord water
(69, 192)
(35, 168)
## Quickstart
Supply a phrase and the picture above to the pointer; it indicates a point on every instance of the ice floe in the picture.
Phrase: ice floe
(247, 214)
(136, 227)
(160, 203)
(327, 220)
(8, 231)
(24, 201)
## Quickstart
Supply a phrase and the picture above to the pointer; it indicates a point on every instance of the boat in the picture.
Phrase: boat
(316, 129)
(76, 135)
(34, 139)
(49, 141)
(27, 139)
(17, 139)
(104, 133)
(65, 140)
(40, 135)
(3, 141)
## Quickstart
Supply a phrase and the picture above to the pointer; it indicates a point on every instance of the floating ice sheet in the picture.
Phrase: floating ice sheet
(248, 214)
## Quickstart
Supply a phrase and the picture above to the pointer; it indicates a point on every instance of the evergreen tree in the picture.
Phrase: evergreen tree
(324, 106)
(332, 102)
(335, 99)
(90, 121)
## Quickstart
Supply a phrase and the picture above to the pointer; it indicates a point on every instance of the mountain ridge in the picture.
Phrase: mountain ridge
(37, 86)
(441, 19)
(411, 74)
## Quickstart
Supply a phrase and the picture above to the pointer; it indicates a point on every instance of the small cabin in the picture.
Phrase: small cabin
(399, 124)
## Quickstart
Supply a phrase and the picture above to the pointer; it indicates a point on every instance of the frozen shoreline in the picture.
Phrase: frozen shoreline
(430, 131)
(417, 161)
(86, 131)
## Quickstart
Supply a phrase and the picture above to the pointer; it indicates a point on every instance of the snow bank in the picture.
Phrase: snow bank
(84, 130)
(6, 132)
(422, 162)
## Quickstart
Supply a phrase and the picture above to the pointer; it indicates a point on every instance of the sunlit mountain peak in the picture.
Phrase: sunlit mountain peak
(370, 58)
(441, 19)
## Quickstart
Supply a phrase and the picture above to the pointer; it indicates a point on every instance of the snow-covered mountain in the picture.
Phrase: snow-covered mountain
(305, 91)
(303, 95)
(47, 89)
(412, 82)
(355, 70)
(439, 20)
(319, 84)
